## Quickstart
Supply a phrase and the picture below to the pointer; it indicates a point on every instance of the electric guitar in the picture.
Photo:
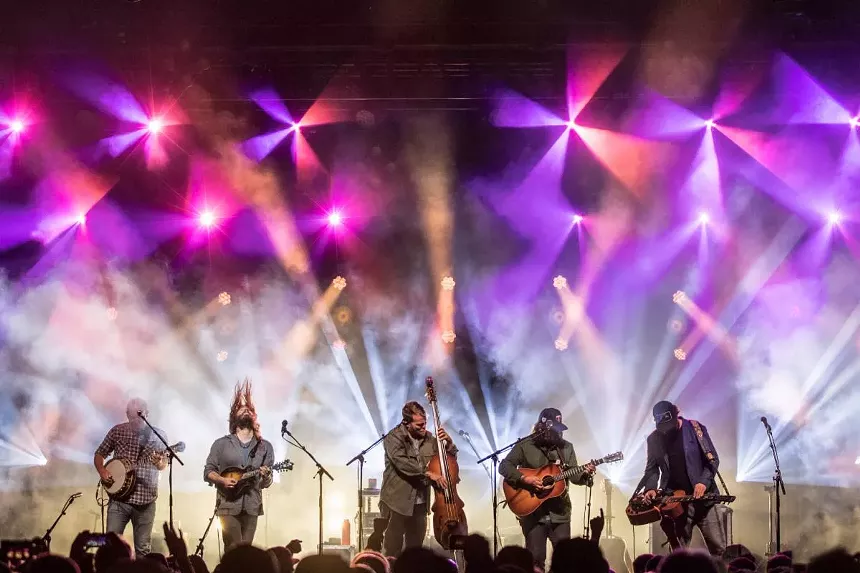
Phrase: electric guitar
(642, 512)
(525, 500)
(244, 478)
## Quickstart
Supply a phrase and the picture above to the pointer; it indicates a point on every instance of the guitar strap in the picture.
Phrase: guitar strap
(700, 436)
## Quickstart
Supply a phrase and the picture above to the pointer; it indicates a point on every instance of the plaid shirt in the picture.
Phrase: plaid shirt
(123, 441)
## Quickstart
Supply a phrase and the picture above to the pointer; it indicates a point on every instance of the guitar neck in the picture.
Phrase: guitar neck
(570, 472)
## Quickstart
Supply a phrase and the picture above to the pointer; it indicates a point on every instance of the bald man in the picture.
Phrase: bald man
(135, 442)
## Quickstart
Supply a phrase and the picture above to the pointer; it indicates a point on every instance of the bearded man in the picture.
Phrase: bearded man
(243, 449)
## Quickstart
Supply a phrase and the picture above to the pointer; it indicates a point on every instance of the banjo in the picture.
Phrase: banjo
(122, 474)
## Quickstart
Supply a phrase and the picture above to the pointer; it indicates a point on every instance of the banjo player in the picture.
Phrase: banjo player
(131, 476)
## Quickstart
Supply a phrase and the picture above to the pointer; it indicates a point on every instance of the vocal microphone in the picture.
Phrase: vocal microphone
(284, 427)
(764, 421)
(464, 434)
(140, 413)
(76, 495)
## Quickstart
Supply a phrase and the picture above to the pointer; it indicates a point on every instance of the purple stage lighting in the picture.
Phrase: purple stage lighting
(206, 219)
(17, 126)
(855, 121)
(834, 217)
(81, 219)
(709, 123)
(571, 124)
(577, 219)
(704, 219)
(335, 219)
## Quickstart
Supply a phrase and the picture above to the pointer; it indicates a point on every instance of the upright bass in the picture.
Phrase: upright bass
(449, 519)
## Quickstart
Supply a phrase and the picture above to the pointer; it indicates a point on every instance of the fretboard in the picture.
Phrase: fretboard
(569, 473)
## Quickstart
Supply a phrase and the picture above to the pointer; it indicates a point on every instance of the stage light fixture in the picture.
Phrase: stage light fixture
(560, 344)
(155, 125)
(17, 126)
(834, 217)
(679, 297)
(81, 219)
(709, 123)
(224, 299)
(207, 219)
(559, 282)
(680, 354)
(577, 219)
(222, 356)
(448, 283)
(339, 283)
(704, 218)
(448, 336)
(335, 219)
(855, 121)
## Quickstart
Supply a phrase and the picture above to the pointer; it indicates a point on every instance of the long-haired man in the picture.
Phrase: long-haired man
(242, 448)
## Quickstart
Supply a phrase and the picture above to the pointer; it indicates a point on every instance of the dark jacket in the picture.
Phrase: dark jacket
(404, 470)
(699, 468)
(227, 452)
(527, 454)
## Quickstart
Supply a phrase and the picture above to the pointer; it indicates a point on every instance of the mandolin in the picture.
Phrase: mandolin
(524, 501)
(244, 477)
(449, 519)
(641, 511)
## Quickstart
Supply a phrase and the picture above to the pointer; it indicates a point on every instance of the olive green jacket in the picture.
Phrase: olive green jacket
(405, 467)
(528, 455)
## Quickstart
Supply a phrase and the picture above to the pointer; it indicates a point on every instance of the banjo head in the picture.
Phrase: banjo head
(121, 472)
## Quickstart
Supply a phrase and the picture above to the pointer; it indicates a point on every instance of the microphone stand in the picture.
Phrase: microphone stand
(778, 485)
(489, 475)
(199, 550)
(495, 457)
(360, 459)
(321, 471)
(170, 455)
(47, 537)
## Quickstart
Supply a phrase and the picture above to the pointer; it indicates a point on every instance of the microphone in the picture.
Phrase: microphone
(76, 495)
(140, 413)
(464, 434)
(284, 427)
(764, 421)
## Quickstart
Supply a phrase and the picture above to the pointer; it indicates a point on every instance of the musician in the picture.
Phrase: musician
(242, 448)
(551, 521)
(405, 495)
(676, 461)
(135, 442)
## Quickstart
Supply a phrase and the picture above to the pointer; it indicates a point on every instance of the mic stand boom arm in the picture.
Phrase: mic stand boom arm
(321, 471)
(47, 537)
(495, 457)
(360, 459)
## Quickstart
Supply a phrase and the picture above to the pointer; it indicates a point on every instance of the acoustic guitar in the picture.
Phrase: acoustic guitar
(641, 511)
(525, 500)
(244, 477)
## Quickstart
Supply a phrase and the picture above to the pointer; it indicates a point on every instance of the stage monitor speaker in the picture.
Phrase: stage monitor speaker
(346, 552)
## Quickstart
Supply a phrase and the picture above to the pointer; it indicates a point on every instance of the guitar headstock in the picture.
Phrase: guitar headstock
(612, 458)
(430, 389)
(283, 466)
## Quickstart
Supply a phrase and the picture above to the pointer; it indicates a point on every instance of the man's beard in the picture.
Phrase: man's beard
(549, 438)
(246, 422)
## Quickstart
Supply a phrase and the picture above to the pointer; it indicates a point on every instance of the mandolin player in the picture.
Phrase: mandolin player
(681, 457)
(135, 442)
(404, 499)
(240, 504)
(551, 521)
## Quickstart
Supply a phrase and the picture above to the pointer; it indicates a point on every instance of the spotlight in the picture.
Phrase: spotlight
(221, 356)
(155, 125)
(709, 123)
(855, 121)
(834, 217)
(559, 282)
(560, 344)
(17, 126)
(339, 283)
(81, 219)
(207, 219)
(335, 219)
(577, 219)
(704, 218)
(571, 124)
(679, 297)
(224, 299)
(448, 336)
(448, 283)
(680, 354)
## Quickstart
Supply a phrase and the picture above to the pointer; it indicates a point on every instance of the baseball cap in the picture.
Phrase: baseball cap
(552, 418)
(664, 411)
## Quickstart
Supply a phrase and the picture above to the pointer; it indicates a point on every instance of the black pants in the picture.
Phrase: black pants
(405, 531)
(538, 532)
(680, 531)
(236, 529)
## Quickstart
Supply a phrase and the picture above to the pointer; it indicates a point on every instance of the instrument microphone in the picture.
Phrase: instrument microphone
(764, 421)
(284, 427)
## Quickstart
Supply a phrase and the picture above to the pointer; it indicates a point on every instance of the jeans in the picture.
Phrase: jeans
(237, 529)
(141, 517)
(537, 533)
(405, 531)
(680, 531)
